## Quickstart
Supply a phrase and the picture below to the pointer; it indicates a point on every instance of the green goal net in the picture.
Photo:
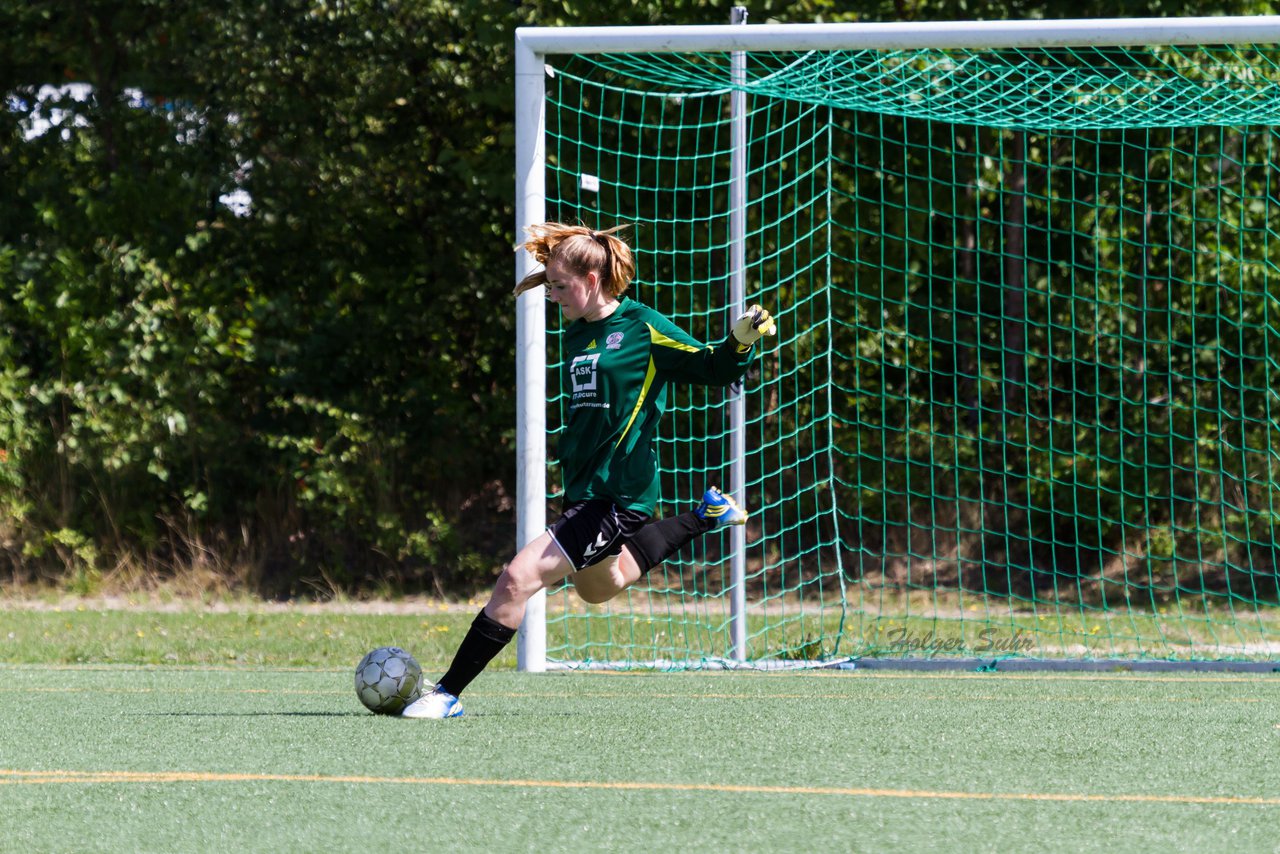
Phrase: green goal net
(1026, 396)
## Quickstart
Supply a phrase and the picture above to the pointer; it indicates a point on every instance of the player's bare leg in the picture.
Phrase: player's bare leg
(601, 581)
(541, 564)
(537, 566)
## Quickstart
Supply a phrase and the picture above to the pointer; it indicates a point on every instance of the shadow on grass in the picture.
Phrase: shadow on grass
(470, 715)
(253, 715)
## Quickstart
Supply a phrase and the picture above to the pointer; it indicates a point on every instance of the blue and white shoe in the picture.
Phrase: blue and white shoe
(435, 704)
(721, 509)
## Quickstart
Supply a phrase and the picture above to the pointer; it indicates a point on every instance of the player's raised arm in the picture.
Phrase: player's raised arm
(682, 358)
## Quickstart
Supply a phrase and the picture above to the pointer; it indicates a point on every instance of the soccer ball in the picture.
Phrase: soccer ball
(387, 680)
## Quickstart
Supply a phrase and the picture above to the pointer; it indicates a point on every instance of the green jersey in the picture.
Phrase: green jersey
(616, 374)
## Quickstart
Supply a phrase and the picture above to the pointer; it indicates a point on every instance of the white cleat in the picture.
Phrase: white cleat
(435, 705)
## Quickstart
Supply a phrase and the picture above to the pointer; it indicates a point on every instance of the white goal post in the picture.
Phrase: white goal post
(533, 46)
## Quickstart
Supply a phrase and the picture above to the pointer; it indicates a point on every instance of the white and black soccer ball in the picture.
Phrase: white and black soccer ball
(387, 680)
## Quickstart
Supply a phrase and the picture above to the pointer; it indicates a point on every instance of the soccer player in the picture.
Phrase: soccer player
(620, 356)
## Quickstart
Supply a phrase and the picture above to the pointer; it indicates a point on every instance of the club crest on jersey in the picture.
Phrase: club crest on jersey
(614, 341)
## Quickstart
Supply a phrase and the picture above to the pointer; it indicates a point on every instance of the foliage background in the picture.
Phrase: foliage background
(315, 392)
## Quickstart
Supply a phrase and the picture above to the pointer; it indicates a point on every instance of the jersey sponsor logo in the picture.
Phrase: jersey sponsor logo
(613, 342)
(591, 346)
(583, 373)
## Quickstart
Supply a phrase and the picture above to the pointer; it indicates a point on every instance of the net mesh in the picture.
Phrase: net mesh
(1024, 397)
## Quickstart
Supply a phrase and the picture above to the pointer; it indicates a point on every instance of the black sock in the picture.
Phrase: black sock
(484, 640)
(659, 540)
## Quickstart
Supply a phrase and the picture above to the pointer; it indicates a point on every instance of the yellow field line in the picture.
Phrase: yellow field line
(18, 777)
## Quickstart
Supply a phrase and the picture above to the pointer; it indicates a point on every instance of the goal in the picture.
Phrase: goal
(1025, 402)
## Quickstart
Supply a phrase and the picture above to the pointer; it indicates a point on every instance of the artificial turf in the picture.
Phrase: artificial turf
(238, 756)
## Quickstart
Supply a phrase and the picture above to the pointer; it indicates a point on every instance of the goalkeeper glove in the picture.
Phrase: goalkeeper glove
(751, 326)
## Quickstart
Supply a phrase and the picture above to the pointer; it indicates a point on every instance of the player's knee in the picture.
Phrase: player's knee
(518, 581)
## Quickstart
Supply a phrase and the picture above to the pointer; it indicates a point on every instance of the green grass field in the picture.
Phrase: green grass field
(172, 732)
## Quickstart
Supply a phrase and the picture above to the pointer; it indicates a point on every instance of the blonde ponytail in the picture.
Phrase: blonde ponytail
(582, 250)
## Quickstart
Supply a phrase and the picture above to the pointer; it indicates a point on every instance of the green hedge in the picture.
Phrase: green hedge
(315, 392)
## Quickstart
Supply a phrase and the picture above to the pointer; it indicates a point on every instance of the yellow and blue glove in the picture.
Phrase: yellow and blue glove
(753, 324)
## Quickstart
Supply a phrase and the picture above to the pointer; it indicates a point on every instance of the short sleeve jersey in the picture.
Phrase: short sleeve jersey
(616, 373)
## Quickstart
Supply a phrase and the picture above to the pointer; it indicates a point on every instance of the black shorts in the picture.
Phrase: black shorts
(589, 531)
